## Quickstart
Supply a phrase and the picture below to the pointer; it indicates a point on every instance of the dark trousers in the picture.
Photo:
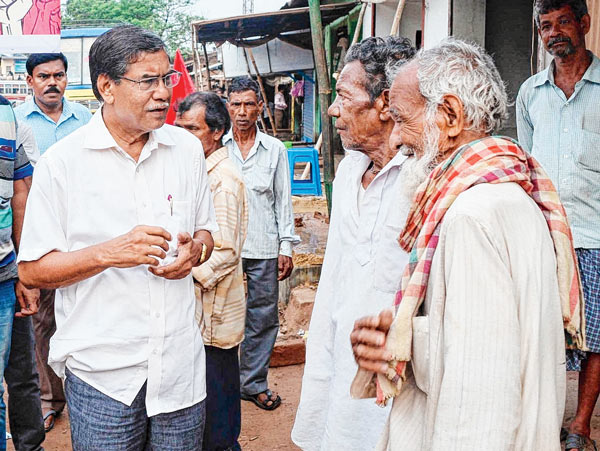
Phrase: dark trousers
(51, 386)
(223, 413)
(24, 409)
(262, 324)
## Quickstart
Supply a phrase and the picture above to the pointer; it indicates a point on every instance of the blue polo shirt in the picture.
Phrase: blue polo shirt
(46, 131)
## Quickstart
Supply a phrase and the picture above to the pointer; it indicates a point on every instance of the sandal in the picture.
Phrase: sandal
(274, 403)
(579, 442)
(49, 419)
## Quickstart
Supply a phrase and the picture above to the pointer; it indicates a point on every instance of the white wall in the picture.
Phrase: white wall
(284, 57)
(437, 22)
(384, 16)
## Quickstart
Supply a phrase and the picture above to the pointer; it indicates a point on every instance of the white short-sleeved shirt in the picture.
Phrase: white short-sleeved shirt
(122, 327)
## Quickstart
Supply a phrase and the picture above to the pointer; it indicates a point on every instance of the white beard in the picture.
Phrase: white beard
(415, 170)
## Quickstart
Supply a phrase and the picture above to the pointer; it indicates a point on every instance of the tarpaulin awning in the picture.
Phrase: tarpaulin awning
(252, 30)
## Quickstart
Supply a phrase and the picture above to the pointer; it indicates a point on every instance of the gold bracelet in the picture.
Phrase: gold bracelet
(203, 255)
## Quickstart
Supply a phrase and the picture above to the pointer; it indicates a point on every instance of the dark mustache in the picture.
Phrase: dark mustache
(52, 89)
(558, 40)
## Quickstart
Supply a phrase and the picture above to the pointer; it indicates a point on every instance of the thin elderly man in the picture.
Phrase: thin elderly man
(267, 253)
(474, 358)
(219, 282)
(557, 121)
(51, 117)
(119, 213)
(362, 258)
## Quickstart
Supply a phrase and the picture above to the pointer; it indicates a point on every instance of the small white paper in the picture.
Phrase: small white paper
(173, 226)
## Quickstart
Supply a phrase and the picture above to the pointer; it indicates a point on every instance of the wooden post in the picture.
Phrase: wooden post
(316, 26)
(207, 66)
(397, 17)
(260, 116)
(197, 74)
(262, 90)
(361, 17)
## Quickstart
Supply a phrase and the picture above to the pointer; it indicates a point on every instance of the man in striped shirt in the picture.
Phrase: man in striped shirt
(15, 179)
(219, 282)
(558, 121)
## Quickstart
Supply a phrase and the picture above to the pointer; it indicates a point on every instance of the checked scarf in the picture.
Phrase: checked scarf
(489, 160)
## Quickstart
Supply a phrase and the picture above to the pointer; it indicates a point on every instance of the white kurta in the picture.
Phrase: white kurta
(488, 354)
(360, 276)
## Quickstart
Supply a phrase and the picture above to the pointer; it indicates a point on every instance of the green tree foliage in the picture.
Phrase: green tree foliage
(170, 19)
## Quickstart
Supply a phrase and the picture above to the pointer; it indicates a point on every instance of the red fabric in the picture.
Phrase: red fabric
(184, 88)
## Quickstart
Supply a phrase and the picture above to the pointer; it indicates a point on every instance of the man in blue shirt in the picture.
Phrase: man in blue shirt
(51, 118)
(558, 122)
(49, 114)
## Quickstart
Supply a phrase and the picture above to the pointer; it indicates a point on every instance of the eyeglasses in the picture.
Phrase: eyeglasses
(148, 84)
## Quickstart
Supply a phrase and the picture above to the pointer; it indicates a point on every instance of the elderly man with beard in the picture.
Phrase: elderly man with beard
(474, 357)
(363, 261)
(558, 122)
(119, 213)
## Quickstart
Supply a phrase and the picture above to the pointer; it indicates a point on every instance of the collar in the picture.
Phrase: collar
(67, 110)
(98, 137)
(398, 160)
(216, 157)
(260, 137)
(592, 74)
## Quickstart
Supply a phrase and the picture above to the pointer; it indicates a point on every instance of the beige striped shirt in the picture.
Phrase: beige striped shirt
(219, 282)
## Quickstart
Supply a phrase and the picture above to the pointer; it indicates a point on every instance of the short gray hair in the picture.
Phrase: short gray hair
(115, 50)
(375, 54)
(467, 71)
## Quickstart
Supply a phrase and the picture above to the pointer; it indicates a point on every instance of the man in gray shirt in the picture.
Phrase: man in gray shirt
(267, 252)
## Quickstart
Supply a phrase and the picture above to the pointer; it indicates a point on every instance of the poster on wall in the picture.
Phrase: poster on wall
(29, 26)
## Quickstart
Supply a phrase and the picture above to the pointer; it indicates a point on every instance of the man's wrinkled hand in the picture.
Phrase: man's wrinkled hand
(368, 342)
(285, 265)
(29, 300)
(143, 245)
(189, 252)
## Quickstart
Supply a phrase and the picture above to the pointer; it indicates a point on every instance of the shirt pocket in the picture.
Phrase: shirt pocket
(182, 215)
(262, 178)
(588, 158)
(390, 261)
(420, 352)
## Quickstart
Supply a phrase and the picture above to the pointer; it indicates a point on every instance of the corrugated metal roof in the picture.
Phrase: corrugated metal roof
(256, 29)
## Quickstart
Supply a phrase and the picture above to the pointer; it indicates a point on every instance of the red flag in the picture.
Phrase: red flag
(183, 88)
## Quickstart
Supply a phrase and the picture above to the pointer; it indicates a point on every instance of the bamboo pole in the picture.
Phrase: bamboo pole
(195, 56)
(260, 116)
(207, 66)
(262, 90)
(324, 95)
(361, 17)
(397, 17)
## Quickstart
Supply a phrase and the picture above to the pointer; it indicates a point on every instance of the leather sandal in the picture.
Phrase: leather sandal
(49, 419)
(268, 404)
(580, 443)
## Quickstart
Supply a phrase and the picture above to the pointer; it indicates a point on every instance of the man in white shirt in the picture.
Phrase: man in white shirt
(108, 203)
(474, 358)
(363, 260)
(280, 107)
(267, 253)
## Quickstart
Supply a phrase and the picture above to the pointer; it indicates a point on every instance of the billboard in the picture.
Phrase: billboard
(29, 26)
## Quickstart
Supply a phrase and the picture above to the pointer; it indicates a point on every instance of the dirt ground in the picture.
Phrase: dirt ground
(270, 431)
(261, 430)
